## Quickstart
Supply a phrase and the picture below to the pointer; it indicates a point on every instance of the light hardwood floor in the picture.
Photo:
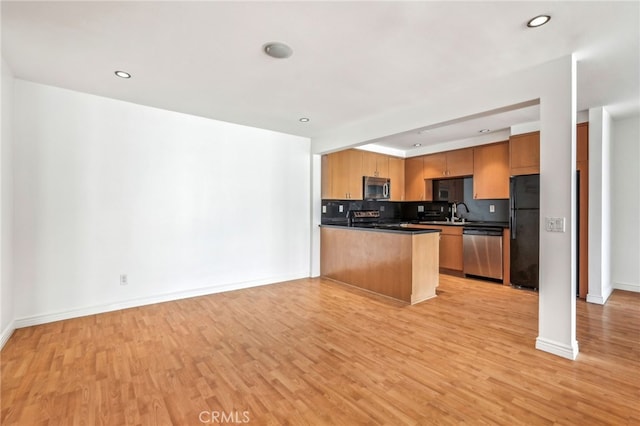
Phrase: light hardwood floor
(317, 352)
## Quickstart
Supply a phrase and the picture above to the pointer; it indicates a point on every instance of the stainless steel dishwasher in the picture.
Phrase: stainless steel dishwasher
(482, 248)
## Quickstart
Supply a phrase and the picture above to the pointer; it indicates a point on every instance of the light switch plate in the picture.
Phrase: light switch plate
(492, 208)
(420, 209)
(324, 209)
(554, 224)
(341, 209)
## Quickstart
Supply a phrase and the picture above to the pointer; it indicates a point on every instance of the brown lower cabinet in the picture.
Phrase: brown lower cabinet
(450, 247)
(400, 265)
(451, 251)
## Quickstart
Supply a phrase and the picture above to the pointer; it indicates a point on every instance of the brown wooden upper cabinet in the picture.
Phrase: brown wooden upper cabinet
(434, 166)
(524, 152)
(374, 164)
(396, 174)
(448, 164)
(342, 175)
(414, 179)
(491, 171)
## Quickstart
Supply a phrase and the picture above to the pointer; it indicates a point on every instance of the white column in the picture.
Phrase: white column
(316, 205)
(557, 298)
(600, 287)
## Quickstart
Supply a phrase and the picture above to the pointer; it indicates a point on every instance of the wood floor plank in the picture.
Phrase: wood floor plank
(317, 352)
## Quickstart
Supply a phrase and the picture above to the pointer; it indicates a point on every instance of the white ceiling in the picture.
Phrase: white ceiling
(351, 60)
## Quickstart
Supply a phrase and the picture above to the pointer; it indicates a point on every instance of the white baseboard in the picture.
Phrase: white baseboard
(99, 309)
(600, 299)
(627, 286)
(556, 348)
(6, 334)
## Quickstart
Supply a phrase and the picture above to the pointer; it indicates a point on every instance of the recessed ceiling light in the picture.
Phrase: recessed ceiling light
(417, 144)
(304, 120)
(538, 21)
(122, 74)
(277, 50)
(484, 131)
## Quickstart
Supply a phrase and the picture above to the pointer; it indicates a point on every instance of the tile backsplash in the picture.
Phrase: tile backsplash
(335, 211)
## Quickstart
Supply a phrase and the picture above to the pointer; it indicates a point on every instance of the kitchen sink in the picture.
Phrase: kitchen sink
(442, 222)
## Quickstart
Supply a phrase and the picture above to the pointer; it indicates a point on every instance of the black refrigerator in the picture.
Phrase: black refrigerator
(524, 224)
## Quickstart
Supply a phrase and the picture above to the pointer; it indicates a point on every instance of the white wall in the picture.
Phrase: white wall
(183, 205)
(625, 181)
(6, 210)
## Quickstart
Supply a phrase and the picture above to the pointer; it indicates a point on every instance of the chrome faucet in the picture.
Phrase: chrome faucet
(454, 210)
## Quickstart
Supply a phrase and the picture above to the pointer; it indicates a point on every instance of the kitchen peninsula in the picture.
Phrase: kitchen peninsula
(394, 261)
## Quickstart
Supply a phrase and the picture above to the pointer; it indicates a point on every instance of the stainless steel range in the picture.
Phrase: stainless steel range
(362, 217)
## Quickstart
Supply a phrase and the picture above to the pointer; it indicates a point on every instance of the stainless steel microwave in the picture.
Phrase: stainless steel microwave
(376, 188)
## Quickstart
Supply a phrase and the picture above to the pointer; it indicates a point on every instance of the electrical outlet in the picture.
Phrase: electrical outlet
(381, 208)
(340, 208)
(420, 209)
(123, 279)
(324, 209)
(492, 208)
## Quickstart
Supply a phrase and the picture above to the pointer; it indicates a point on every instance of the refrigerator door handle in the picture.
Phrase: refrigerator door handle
(512, 206)
(512, 224)
(512, 194)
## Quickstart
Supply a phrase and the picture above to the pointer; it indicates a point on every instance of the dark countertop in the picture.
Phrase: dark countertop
(475, 224)
(392, 228)
(406, 226)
